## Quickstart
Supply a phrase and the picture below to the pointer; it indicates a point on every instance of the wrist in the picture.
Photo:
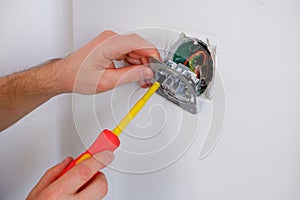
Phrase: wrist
(51, 77)
(61, 75)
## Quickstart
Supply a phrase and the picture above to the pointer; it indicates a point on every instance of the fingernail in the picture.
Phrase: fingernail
(145, 86)
(105, 157)
(157, 57)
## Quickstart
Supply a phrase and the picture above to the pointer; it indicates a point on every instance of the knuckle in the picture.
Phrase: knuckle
(83, 171)
(105, 189)
(134, 36)
(108, 32)
(51, 171)
(51, 193)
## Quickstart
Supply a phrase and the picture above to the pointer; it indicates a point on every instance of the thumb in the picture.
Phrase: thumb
(115, 77)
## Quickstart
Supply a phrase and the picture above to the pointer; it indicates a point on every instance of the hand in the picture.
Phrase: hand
(91, 70)
(83, 181)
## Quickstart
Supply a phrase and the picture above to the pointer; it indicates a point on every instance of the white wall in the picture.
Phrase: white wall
(258, 46)
(32, 32)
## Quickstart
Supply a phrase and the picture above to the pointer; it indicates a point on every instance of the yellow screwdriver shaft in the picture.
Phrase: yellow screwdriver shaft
(135, 109)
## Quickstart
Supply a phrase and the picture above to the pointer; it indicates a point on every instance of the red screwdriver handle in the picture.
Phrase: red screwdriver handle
(106, 140)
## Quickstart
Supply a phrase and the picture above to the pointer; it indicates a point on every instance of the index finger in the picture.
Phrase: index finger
(119, 45)
(81, 173)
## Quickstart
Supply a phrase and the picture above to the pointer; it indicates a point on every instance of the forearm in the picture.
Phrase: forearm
(89, 70)
(22, 92)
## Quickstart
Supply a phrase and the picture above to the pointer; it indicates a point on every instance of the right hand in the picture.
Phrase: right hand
(83, 181)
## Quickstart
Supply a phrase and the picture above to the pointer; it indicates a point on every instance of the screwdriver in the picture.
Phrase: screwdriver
(109, 140)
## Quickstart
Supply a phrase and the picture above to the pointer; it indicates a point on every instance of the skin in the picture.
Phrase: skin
(89, 70)
(84, 181)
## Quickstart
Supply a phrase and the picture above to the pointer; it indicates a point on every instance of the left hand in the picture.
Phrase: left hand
(91, 70)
